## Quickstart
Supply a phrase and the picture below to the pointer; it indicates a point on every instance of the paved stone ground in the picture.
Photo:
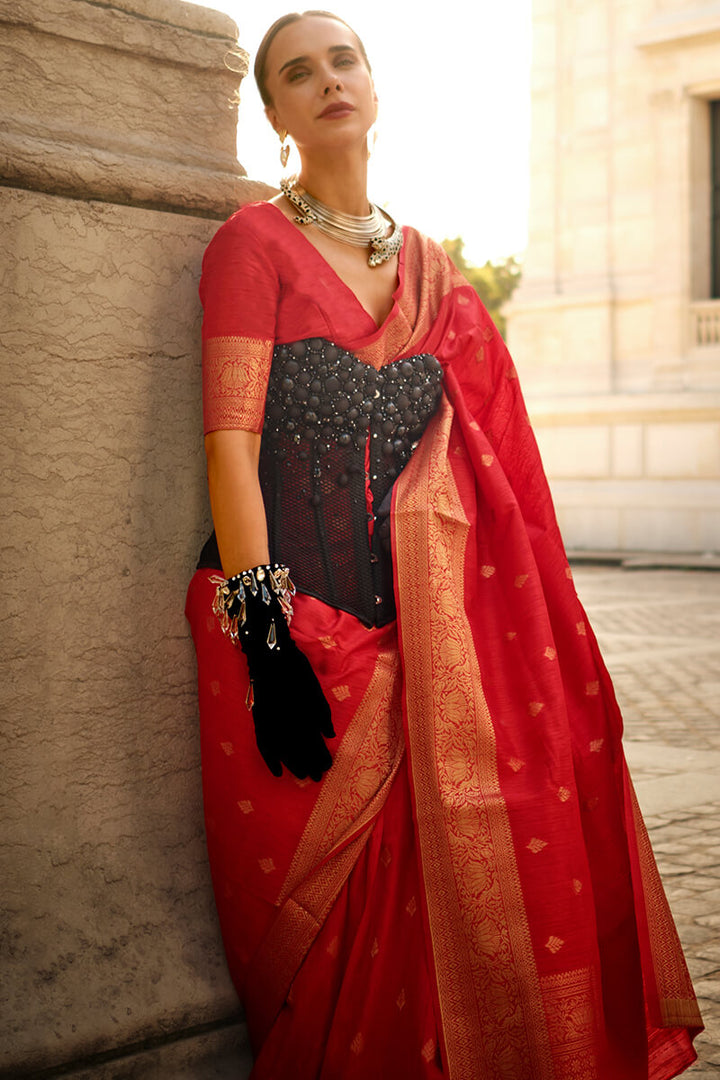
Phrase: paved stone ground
(659, 631)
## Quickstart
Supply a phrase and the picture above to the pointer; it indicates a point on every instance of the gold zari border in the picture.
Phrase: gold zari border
(235, 377)
(676, 997)
(572, 1006)
(490, 997)
(352, 795)
(428, 277)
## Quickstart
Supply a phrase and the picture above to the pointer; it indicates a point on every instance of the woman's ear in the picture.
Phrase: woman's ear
(273, 118)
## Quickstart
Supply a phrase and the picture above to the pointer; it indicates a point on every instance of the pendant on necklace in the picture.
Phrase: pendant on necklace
(368, 231)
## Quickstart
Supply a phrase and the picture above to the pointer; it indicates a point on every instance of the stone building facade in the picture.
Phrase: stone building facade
(118, 162)
(616, 326)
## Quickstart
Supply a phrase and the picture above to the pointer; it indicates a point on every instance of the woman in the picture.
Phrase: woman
(468, 890)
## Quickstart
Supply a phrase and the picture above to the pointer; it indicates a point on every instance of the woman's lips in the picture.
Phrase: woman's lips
(337, 110)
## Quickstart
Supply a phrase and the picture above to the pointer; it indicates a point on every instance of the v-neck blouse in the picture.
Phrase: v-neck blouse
(261, 245)
(320, 270)
(264, 284)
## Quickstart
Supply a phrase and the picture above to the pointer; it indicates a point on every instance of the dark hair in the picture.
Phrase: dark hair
(280, 24)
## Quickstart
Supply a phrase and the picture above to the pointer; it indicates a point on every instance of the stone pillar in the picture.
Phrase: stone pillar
(117, 154)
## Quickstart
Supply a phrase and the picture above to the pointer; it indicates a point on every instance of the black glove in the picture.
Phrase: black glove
(290, 711)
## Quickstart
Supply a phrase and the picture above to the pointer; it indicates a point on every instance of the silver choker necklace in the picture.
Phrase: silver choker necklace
(347, 228)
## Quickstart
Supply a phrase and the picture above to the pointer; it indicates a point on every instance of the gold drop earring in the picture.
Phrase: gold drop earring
(285, 148)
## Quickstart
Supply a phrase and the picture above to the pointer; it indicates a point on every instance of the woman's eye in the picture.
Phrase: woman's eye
(299, 73)
(345, 61)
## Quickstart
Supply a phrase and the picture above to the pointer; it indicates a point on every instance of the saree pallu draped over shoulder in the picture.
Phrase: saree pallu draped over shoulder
(470, 891)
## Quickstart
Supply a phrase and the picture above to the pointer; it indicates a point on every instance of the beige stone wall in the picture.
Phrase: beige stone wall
(118, 162)
(612, 329)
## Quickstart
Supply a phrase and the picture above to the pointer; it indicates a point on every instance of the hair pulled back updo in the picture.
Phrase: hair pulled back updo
(280, 24)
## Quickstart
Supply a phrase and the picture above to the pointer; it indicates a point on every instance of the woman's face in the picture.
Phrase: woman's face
(322, 92)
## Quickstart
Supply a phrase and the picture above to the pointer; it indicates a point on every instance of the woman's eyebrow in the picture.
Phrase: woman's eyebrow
(295, 60)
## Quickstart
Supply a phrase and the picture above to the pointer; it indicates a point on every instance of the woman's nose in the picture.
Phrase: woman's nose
(332, 84)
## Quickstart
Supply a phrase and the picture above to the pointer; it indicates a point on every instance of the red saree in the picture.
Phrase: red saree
(470, 891)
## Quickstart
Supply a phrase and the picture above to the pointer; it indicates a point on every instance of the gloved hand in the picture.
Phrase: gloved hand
(290, 711)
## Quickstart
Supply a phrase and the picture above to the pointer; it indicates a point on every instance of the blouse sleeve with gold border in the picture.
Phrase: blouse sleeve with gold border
(239, 290)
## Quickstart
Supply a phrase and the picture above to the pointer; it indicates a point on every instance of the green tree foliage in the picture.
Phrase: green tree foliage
(495, 282)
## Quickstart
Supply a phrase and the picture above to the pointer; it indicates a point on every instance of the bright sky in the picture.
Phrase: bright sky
(452, 151)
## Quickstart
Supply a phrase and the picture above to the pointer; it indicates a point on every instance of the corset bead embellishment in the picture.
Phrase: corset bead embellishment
(332, 426)
(318, 390)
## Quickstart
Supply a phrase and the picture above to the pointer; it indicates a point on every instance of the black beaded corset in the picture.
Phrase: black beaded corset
(330, 421)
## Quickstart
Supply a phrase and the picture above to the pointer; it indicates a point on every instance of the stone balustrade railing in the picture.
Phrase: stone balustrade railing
(705, 323)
